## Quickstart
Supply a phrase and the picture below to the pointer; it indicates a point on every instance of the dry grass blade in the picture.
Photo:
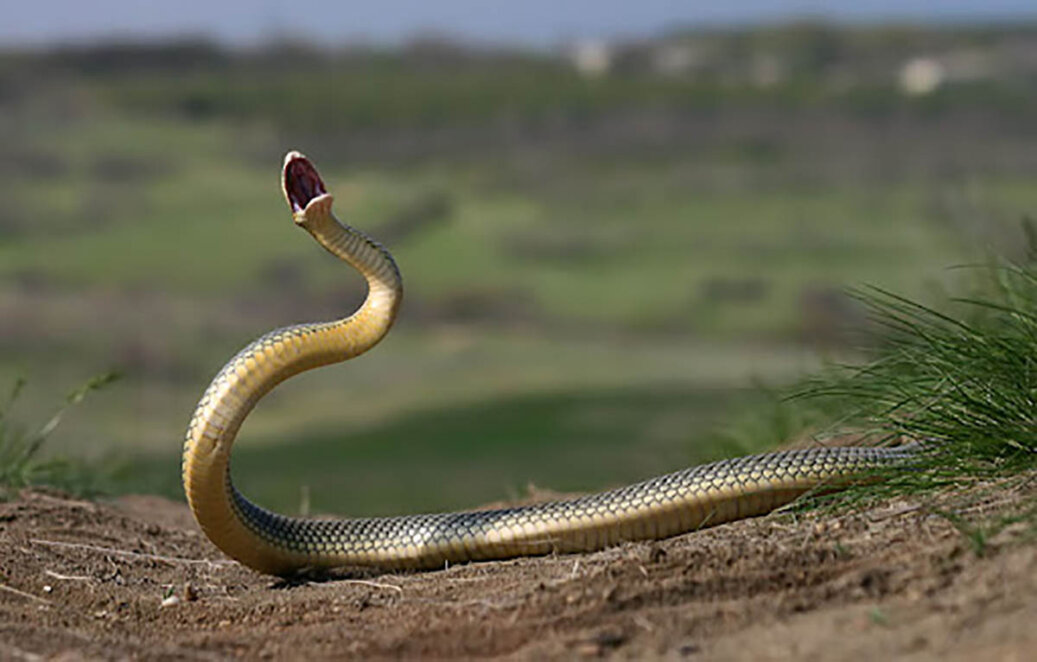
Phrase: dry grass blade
(130, 554)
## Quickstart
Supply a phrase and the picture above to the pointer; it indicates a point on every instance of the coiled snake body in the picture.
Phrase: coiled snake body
(272, 543)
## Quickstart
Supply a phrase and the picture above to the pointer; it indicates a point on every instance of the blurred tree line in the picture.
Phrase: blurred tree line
(432, 83)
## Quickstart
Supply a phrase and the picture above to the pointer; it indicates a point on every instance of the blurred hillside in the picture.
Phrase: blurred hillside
(602, 246)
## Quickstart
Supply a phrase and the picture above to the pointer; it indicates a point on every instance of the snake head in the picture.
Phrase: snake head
(303, 188)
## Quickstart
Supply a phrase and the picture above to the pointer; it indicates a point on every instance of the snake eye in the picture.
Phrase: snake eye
(301, 182)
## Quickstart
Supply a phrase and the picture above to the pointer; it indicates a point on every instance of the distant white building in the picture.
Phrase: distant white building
(591, 57)
(673, 59)
(924, 75)
(921, 75)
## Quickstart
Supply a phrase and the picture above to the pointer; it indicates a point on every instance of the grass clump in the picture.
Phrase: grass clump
(963, 382)
(22, 461)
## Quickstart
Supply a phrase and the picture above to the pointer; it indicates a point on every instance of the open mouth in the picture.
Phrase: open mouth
(301, 182)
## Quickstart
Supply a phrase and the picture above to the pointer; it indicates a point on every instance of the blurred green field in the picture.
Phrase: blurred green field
(588, 300)
(630, 245)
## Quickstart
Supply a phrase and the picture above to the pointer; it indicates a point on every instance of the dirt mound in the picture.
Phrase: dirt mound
(134, 579)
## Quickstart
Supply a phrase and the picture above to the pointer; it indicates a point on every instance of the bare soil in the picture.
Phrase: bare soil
(134, 579)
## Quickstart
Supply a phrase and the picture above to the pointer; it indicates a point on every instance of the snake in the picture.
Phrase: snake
(275, 544)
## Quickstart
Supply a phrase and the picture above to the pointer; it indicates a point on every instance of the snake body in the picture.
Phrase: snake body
(275, 544)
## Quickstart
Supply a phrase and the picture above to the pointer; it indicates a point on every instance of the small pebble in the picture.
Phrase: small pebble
(171, 600)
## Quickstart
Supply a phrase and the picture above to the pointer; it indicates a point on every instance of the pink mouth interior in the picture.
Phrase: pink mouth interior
(302, 183)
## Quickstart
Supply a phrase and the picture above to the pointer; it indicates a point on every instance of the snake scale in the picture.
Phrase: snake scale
(275, 544)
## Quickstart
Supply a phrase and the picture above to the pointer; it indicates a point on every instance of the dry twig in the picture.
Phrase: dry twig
(123, 552)
(9, 589)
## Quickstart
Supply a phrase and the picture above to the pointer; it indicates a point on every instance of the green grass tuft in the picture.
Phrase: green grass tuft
(22, 461)
(963, 382)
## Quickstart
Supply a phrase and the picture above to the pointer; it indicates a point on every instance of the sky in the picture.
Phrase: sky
(534, 23)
